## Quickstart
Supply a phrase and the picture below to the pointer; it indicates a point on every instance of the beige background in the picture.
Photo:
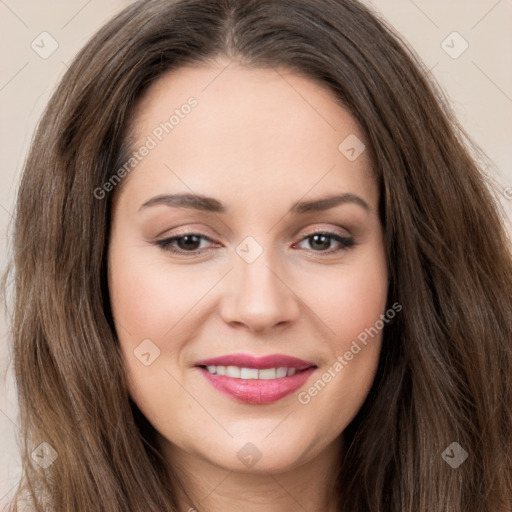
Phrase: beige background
(478, 84)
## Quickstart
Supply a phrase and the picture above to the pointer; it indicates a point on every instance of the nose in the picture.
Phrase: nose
(258, 295)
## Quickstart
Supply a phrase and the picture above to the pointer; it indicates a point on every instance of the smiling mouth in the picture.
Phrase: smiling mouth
(237, 372)
(256, 386)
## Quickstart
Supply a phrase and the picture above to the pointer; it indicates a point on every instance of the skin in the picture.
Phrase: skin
(259, 140)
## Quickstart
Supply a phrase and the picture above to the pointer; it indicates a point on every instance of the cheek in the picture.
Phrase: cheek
(148, 298)
(157, 307)
(147, 301)
(352, 307)
(349, 300)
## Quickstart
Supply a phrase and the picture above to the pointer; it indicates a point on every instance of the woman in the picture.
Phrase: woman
(338, 335)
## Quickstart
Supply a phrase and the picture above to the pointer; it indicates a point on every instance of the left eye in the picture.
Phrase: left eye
(190, 243)
(321, 239)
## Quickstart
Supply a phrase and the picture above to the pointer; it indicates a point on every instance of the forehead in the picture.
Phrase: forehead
(252, 132)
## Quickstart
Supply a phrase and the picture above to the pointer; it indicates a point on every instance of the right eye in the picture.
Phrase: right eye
(185, 244)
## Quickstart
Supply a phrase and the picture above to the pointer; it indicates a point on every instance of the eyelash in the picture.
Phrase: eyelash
(346, 243)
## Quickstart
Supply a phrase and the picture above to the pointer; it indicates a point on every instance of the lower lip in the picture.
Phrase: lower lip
(256, 391)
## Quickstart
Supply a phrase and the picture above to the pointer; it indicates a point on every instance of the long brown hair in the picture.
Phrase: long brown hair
(445, 372)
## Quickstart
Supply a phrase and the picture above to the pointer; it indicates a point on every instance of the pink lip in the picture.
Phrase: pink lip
(255, 391)
(248, 361)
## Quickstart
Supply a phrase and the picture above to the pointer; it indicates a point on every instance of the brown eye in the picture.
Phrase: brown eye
(321, 242)
(188, 243)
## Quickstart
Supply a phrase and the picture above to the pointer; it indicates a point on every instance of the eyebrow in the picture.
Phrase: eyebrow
(210, 204)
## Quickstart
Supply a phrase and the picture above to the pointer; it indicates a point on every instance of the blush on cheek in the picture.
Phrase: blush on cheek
(349, 309)
(142, 302)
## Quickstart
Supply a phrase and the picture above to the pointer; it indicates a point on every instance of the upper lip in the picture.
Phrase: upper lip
(263, 362)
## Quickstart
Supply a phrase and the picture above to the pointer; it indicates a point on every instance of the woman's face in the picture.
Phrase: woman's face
(250, 279)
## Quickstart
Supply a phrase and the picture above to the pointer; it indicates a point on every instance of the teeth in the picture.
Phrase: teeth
(267, 373)
(249, 373)
(281, 372)
(252, 373)
(233, 371)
